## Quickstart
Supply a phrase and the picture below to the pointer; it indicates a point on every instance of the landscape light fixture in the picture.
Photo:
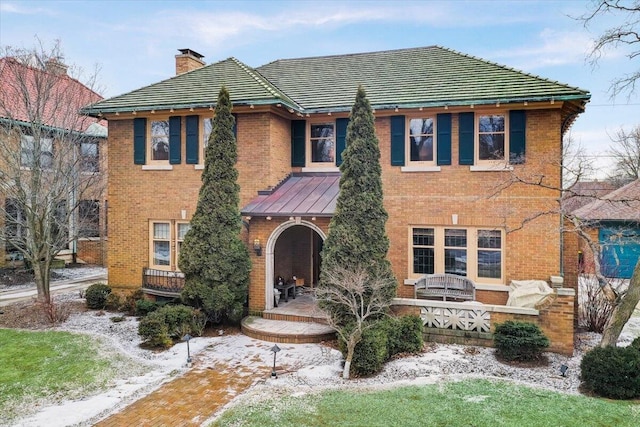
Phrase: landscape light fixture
(275, 349)
(186, 338)
(257, 247)
(563, 370)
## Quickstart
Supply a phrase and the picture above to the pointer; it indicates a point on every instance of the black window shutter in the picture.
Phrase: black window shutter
(298, 128)
(466, 127)
(443, 142)
(397, 140)
(192, 124)
(235, 126)
(341, 138)
(139, 141)
(517, 137)
(175, 137)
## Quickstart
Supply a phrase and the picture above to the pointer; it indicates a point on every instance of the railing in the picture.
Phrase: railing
(162, 282)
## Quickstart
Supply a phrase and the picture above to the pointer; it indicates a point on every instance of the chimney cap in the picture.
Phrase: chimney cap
(191, 52)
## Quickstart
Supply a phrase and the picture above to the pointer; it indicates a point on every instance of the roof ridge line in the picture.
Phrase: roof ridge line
(506, 67)
(258, 78)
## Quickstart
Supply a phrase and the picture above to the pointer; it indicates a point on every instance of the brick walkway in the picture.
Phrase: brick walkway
(189, 400)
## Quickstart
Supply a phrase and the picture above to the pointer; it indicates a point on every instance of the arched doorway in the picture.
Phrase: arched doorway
(293, 249)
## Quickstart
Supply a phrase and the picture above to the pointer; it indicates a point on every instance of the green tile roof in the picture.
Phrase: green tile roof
(198, 88)
(406, 78)
(426, 76)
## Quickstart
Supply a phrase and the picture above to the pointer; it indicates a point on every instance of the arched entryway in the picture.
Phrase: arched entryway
(293, 249)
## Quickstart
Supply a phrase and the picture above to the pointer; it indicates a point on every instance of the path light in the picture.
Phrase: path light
(275, 350)
(186, 338)
(563, 370)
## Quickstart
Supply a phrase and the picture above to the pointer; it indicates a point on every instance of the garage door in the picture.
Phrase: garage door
(620, 249)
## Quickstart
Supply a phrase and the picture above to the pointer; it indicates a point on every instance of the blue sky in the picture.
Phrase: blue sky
(134, 41)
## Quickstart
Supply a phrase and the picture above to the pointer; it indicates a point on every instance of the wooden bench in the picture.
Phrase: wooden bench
(445, 286)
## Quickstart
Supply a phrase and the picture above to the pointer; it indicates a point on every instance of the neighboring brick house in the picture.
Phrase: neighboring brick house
(47, 100)
(451, 127)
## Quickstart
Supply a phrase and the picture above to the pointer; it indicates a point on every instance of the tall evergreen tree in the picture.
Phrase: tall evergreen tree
(213, 258)
(357, 238)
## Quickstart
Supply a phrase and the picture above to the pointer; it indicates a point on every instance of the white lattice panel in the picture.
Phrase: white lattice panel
(454, 318)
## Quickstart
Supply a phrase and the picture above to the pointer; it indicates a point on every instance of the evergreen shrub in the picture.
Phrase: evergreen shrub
(171, 322)
(519, 341)
(404, 334)
(371, 352)
(612, 372)
(96, 295)
(145, 306)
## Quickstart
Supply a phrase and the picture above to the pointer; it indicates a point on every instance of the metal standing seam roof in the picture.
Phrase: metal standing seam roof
(622, 204)
(301, 194)
(405, 78)
(198, 88)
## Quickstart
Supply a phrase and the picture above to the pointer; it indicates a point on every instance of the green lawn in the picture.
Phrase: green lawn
(51, 365)
(468, 403)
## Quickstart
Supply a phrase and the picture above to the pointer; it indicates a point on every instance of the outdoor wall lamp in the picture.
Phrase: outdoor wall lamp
(257, 247)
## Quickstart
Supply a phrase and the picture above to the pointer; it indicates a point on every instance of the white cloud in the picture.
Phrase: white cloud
(9, 7)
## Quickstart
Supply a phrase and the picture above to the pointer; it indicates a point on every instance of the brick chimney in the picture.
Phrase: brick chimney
(188, 60)
(56, 67)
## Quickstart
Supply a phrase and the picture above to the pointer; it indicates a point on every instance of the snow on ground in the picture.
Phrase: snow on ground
(302, 368)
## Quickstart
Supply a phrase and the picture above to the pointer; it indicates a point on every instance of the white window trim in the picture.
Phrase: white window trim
(153, 164)
(490, 165)
(420, 168)
(471, 248)
(320, 166)
(157, 167)
(420, 165)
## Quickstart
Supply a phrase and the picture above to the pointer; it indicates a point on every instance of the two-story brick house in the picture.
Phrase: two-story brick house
(40, 121)
(451, 128)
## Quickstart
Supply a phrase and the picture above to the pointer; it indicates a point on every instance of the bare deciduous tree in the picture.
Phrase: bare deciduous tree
(626, 154)
(49, 157)
(360, 295)
(625, 33)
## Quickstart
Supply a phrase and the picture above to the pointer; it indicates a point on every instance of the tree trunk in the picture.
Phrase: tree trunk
(41, 277)
(351, 347)
(622, 311)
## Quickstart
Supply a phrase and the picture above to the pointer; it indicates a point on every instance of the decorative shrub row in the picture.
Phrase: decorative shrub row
(613, 372)
(519, 341)
(171, 322)
(388, 337)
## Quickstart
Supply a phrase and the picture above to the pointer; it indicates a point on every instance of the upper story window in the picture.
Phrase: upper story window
(492, 137)
(34, 152)
(421, 139)
(159, 142)
(89, 156)
(207, 128)
(322, 143)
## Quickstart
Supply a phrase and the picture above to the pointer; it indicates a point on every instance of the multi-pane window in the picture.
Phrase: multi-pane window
(322, 143)
(160, 140)
(471, 252)
(491, 137)
(207, 128)
(421, 138)
(423, 250)
(15, 230)
(89, 156)
(161, 244)
(166, 238)
(89, 218)
(455, 251)
(181, 231)
(490, 254)
(34, 151)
